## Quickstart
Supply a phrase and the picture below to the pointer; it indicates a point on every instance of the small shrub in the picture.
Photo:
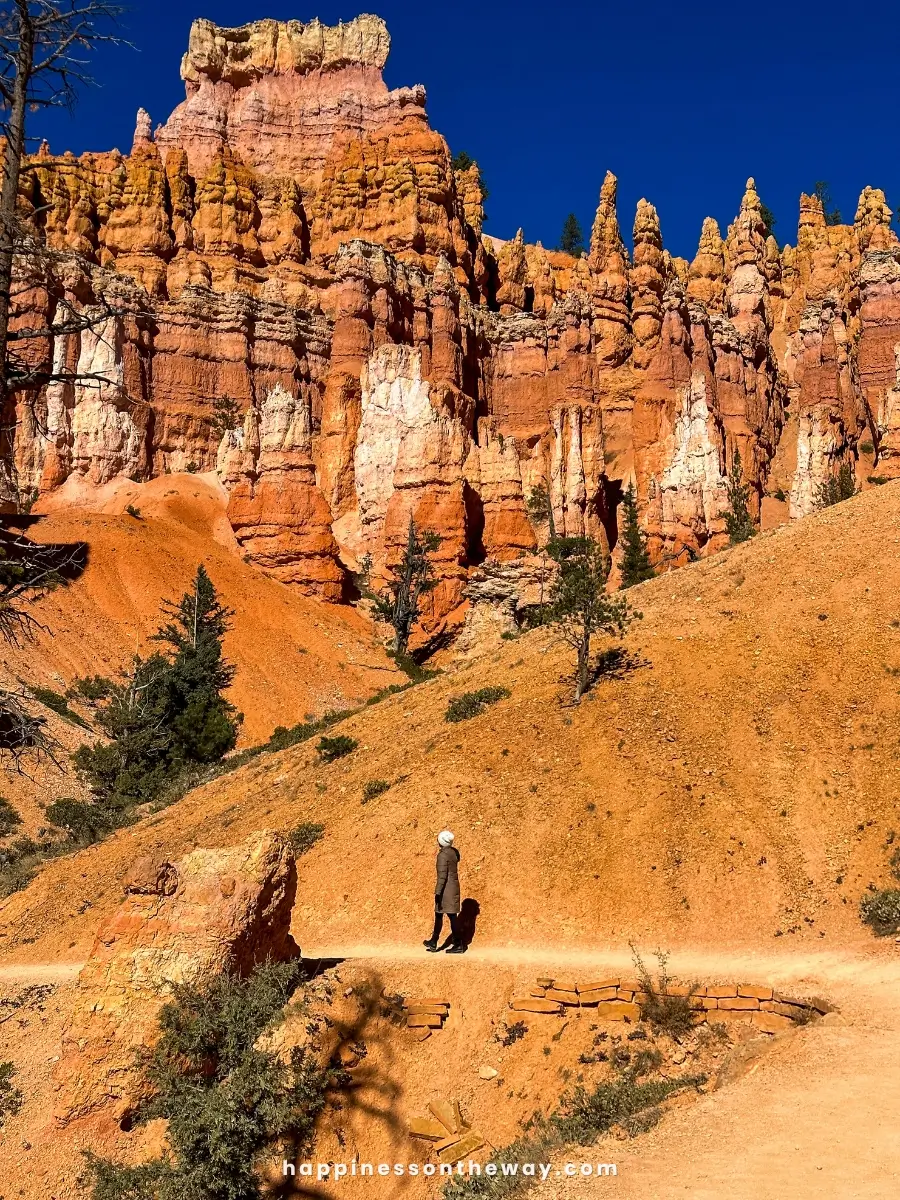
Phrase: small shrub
(91, 688)
(878, 480)
(226, 1096)
(665, 1013)
(866, 447)
(330, 748)
(881, 911)
(9, 818)
(58, 704)
(11, 1098)
(779, 494)
(373, 788)
(305, 836)
(133, 512)
(471, 704)
(83, 823)
(512, 1033)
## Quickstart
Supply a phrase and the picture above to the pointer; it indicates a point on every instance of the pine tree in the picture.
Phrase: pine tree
(168, 712)
(202, 718)
(571, 239)
(580, 607)
(410, 579)
(738, 521)
(636, 565)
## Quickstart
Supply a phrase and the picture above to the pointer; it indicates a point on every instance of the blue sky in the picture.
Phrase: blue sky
(682, 102)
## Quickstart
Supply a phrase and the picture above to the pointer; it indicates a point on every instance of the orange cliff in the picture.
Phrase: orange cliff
(294, 239)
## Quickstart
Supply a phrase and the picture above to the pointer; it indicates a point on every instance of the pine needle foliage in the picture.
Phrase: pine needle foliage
(738, 520)
(636, 564)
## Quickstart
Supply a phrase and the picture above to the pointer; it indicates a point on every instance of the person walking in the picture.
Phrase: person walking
(446, 896)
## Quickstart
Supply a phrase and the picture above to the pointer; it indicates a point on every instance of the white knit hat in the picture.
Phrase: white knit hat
(445, 838)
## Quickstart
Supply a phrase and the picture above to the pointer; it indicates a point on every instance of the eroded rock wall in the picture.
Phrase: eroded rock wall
(295, 291)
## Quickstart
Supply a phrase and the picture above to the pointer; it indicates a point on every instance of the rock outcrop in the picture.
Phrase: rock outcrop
(179, 923)
(294, 249)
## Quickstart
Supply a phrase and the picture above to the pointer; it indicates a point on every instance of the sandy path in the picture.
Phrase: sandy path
(815, 1120)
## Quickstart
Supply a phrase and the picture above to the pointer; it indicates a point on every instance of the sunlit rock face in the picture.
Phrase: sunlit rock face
(299, 295)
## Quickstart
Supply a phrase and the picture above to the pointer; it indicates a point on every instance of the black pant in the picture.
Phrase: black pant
(438, 924)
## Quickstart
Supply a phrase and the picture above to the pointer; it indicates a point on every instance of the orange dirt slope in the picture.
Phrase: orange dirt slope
(736, 786)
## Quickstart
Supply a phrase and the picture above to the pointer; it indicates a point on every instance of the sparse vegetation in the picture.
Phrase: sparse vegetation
(11, 1097)
(582, 1116)
(227, 1099)
(471, 704)
(512, 1033)
(133, 512)
(838, 487)
(9, 818)
(664, 1012)
(331, 748)
(373, 788)
(83, 823)
(580, 607)
(738, 520)
(304, 836)
(409, 581)
(636, 564)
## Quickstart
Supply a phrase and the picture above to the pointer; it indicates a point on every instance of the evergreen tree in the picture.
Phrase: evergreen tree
(410, 579)
(571, 239)
(202, 718)
(738, 521)
(636, 565)
(822, 189)
(768, 219)
(837, 488)
(580, 607)
(169, 711)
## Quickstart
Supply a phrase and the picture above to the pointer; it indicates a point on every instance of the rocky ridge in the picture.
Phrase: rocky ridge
(295, 240)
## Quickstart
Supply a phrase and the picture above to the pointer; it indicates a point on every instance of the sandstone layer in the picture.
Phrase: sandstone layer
(301, 297)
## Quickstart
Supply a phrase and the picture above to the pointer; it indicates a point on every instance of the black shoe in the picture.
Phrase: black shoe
(456, 949)
(431, 947)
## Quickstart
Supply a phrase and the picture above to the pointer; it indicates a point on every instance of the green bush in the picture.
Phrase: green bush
(9, 818)
(331, 748)
(82, 822)
(133, 512)
(58, 704)
(881, 911)
(470, 704)
(305, 836)
(373, 788)
(227, 1099)
(11, 1098)
(91, 688)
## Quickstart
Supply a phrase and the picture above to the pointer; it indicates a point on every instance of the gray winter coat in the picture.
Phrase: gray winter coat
(446, 891)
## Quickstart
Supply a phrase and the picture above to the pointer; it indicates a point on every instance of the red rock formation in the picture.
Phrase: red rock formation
(179, 922)
(295, 239)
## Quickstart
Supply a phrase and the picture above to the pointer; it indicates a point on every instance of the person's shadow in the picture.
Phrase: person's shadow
(468, 919)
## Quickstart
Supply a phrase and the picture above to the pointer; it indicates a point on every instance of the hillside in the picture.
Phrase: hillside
(292, 655)
(736, 786)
